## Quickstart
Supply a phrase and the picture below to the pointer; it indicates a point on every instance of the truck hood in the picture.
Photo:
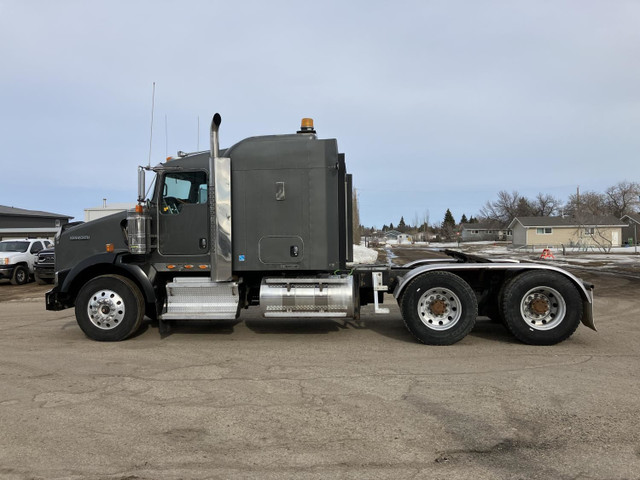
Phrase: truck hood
(86, 239)
(12, 257)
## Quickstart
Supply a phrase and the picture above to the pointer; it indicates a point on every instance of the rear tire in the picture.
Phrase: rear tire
(109, 308)
(541, 307)
(439, 308)
(20, 275)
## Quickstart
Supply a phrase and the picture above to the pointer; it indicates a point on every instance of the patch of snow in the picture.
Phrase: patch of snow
(445, 244)
(364, 255)
(390, 254)
(621, 256)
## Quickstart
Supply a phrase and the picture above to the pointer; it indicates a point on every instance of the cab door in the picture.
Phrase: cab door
(183, 214)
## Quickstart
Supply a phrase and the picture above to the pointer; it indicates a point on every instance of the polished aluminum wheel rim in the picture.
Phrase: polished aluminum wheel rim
(439, 309)
(543, 308)
(106, 309)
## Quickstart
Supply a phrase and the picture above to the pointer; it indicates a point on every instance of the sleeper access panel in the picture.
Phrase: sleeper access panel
(291, 199)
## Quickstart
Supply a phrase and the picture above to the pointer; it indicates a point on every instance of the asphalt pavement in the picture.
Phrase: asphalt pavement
(311, 399)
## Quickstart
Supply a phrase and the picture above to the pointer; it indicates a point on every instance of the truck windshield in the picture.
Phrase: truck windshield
(14, 246)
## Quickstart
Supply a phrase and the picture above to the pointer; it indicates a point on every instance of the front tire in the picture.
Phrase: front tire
(541, 307)
(439, 308)
(109, 308)
(20, 275)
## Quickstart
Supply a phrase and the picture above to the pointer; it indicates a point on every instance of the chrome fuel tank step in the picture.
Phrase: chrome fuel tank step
(307, 297)
(190, 298)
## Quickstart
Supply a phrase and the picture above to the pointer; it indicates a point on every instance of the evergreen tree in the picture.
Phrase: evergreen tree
(448, 219)
(402, 227)
(464, 219)
(448, 226)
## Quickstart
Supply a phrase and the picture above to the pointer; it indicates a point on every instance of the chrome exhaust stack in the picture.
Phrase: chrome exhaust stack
(219, 208)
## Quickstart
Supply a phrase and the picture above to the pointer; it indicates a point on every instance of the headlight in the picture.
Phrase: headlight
(4, 261)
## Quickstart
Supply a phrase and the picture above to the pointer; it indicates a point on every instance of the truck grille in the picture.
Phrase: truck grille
(46, 258)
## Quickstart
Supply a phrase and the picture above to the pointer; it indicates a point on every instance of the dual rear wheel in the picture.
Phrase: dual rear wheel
(538, 307)
(541, 307)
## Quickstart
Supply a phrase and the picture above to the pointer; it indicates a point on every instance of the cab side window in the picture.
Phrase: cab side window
(180, 188)
(36, 247)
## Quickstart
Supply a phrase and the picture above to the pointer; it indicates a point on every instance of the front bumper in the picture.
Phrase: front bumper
(55, 300)
(45, 271)
(6, 271)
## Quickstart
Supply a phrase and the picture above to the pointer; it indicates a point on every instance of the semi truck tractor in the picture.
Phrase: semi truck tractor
(267, 223)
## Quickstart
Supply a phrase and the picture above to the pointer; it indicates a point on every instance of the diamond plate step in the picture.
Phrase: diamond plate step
(190, 298)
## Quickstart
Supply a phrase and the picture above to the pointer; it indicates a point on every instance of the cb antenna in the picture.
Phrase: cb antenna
(153, 100)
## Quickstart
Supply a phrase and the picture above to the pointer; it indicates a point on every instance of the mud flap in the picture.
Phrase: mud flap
(587, 315)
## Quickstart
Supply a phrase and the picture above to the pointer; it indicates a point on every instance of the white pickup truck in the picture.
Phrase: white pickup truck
(18, 256)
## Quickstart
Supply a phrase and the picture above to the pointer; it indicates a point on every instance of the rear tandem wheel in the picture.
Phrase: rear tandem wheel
(541, 307)
(439, 308)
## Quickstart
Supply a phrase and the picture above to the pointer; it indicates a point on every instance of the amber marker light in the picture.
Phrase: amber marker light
(138, 208)
(110, 247)
(188, 267)
(171, 267)
(306, 126)
(203, 267)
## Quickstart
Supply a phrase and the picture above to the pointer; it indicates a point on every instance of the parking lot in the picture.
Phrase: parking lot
(318, 398)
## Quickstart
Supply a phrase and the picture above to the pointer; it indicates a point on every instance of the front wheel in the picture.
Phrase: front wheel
(109, 308)
(20, 275)
(541, 307)
(439, 308)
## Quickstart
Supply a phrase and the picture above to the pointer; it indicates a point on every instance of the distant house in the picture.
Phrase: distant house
(542, 231)
(404, 238)
(22, 223)
(632, 229)
(391, 235)
(484, 231)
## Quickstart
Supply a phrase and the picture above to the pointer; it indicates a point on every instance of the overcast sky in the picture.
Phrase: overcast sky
(436, 104)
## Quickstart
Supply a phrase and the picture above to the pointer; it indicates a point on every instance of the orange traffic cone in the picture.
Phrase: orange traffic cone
(546, 254)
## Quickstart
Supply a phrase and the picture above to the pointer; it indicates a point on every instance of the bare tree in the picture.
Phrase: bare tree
(586, 203)
(622, 198)
(506, 207)
(425, 225)
(591, 235)
(355, 218)
(546, 205)
(416, 222)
